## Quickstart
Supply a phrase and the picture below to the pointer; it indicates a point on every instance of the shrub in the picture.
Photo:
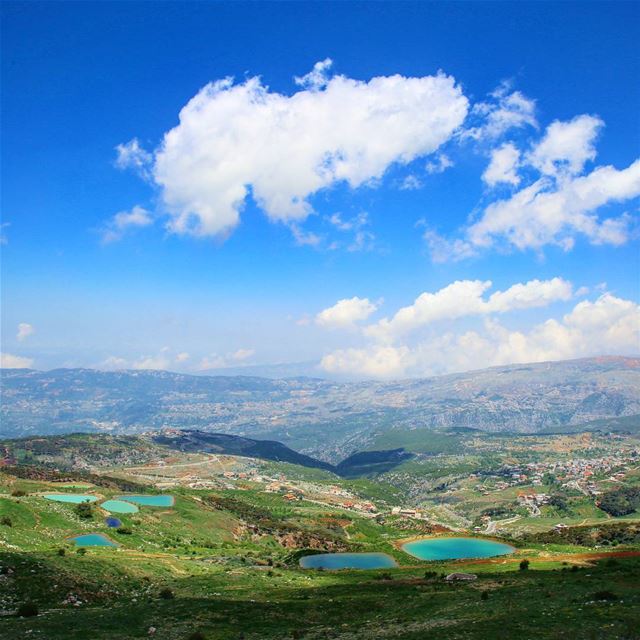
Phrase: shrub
(484, 595)
(197, 635)
(6, 521)
(84, 510)
(605, 595)
(125, 531)
(18, 493)
(27, 610)
(167, 594)
(524, 565)
(81, 551)
(61, 552)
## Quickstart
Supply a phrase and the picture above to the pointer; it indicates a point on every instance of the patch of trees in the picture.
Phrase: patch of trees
(591, 535)
(46, 474)
(84, 510)
(620, 502)
(493, 512)
(559, 502)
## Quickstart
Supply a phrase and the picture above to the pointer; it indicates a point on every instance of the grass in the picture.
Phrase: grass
(234, 577)
(122, 600)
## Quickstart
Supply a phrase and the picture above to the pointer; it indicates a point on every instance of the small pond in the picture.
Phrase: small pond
(73, 498)
(93, 540)
(119, 506)
(348, 561)
(150, 501)
(113, 522)
(456, 548)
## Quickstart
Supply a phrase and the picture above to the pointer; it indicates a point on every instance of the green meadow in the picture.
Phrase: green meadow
(224, 564)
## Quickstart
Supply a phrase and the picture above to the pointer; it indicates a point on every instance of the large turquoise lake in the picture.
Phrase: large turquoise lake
(455, 548)
(150, 501)
(348, 561)
(73, 498)
(93, 540)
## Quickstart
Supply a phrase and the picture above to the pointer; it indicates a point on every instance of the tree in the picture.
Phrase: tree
(524, 565)
(6, 521)
(84, 510)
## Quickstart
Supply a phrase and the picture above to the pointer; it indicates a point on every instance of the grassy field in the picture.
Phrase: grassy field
(121, 598)
(226, 564)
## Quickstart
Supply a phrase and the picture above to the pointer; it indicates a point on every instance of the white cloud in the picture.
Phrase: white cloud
(547, 212)
(9, 361)
(24, 331)
(236, 138)
(362, 239)
(443, 249)
(161, 362)
(439, 165)
(303, 237)
(465, 298)
(318, 77)
(566, 146)
(346, 313)
(375, 362)
(132, 156)
(242, 354)
(505, 110)
(606, 326)
(411, 183)
(216, 361)
(503, 166)
(558, 205)
(182, 357)
(117, 226)
(113, 363)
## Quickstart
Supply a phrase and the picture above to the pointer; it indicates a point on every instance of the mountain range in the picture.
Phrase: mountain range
(325, 419)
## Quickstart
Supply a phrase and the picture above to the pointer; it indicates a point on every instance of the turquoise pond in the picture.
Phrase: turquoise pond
(150, 501)
(455, 548)
(73, 498)
(93, 540)
(119, 506)
(348, 561)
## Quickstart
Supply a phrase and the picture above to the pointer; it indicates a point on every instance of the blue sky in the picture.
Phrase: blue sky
(363, 218)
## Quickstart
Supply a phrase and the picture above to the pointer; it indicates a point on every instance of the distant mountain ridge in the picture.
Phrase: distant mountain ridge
(321, 418)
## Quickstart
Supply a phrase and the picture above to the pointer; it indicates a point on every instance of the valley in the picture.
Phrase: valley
(222, 557)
